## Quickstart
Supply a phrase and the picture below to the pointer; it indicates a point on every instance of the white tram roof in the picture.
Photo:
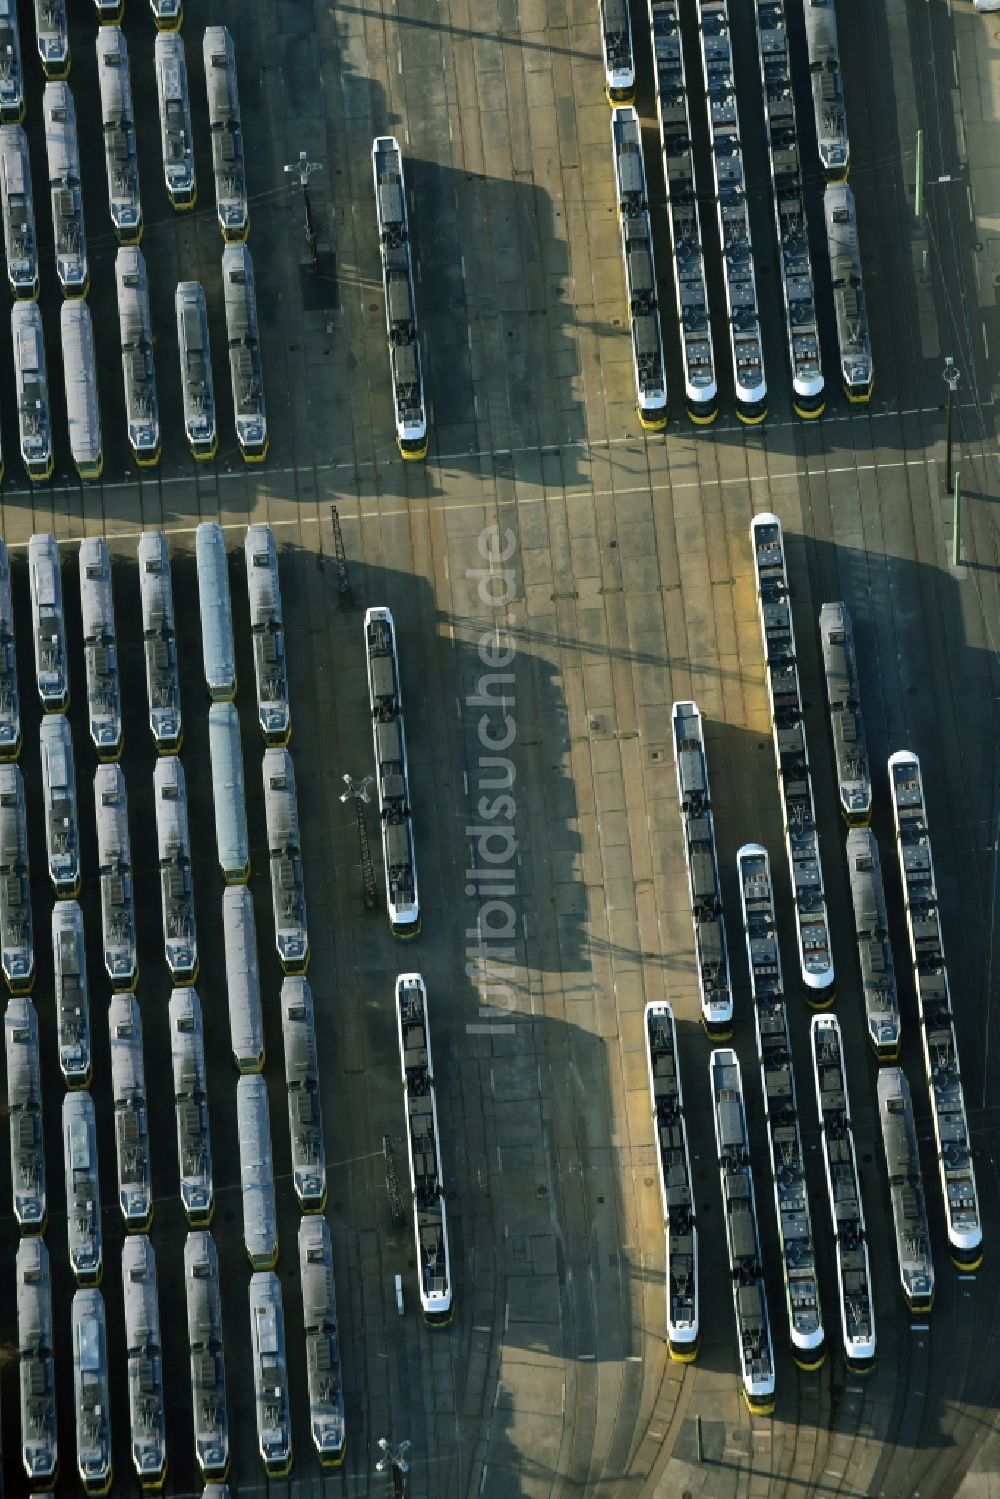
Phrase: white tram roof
(128, 1072)
(195, 348)
(204, 1297)
(11, 66)
(83, 410)
(111, 809)
(155, 587)
(96, 603)
(13, 831)
(34, 1296)
(187, 1046)
(262, 575)
(61, 143)
(280, 801)
(239, 289)
(24, 1079)
(142, 1310)
(232, 838)
(171, 807)
(256, 1161)
(113, 75)
(242, 976)
(215, 603)
(15, 165)
(298, 1028)
(29, 349)
(133, 295)
(220, 75)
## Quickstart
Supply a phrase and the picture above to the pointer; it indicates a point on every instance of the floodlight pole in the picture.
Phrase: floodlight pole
(393, 1461)
(305, 168)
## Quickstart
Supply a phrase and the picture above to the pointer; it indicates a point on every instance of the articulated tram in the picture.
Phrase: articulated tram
(270, 1374)
(673, 111)
(17, 943)
(305, 1116)
(128, 1088)
(63, 153)
(10, 696)
(753, 1325)
(849, 301)
(24, 1104)
(797, 285)
(704, 886)
(208, 1365)
(640, 269)
(245, 370)
(118, 120)
(48, 623)
(268, 631)
(159, 638)
(871, 925)
(673, 1160)
(11, 65)
(847, 1215)
(827, 84)
(146, 1400)
(733, 216)
(84, 1233)
(616, 50)
(197, 388)
(906, 1189)
(62, 821)
(792, 760)
(284, 848)
(72, 994)
(34, 417)
(114, 858)
(784, 1136)
(91, 1393)
(400, 304)
(194, 1145)
(937, 1022)
(173, 837)
(323, 1371)
(37, 1367)
(100, 648)
(228, 162)
(142, 410)
(17, 946)
(19, 235)
(423, 1145)
(385, 698)
(176, 138)
(847, 724)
